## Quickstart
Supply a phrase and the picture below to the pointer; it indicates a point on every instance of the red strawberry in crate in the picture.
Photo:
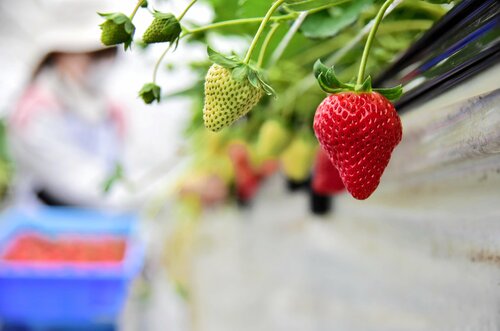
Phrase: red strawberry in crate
(326, 178)
(359, 128)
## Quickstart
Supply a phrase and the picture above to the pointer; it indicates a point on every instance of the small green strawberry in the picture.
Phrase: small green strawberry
(164, 28)
(232, 89)
(150, 92)
(272, 139)
(144, 4)
(117, 29)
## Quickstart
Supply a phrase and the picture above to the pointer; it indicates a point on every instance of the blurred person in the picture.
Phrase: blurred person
(65, 136)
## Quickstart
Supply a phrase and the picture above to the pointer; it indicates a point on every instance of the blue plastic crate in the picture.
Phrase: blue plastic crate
(65, 294)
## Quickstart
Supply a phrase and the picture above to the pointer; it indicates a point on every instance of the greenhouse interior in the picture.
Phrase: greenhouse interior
(250, 165)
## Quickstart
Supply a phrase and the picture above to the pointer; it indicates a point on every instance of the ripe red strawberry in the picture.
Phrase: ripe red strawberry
(247, 180)
(358, 129)
(326, 178)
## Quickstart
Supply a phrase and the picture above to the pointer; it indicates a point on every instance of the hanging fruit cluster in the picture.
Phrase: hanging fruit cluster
(244, 130)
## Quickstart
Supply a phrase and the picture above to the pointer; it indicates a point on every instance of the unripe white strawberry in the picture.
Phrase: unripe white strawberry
(226, 99)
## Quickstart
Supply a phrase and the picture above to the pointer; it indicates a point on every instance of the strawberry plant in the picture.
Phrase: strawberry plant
(356, 125)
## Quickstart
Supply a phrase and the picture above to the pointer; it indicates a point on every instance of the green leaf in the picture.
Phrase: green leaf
(129, 28)
(265, 86)
(327, 79)
(127, 45)
(392, 93)
(105, 15)
(327, 87)
(169, 16)
(268, 89)
(116, 176)
(150, 92)
(366, 86)
(253, 78)
(118, 18)
(440, 1)
(303, 5)
(121, 19)
(332, 80)
(328, 23)
(240, 72)
(252, 8)
(222, 60)
(319, 68)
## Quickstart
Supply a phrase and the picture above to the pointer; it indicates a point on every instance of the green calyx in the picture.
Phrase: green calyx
(241, 71)
(329, 83)
(150, 92)
(115, 177)
(117, 29)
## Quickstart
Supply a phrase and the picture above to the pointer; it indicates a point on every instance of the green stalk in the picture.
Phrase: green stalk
(186, 10)
(285, 41)
(318, 9)
(266, 19)
(139, 3)
(369, 41)
(157, 65)
(252, 20)
(265, 44)
(241, 21)
(162, 56)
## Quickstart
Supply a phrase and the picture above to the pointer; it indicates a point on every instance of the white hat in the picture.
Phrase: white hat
(30, 29)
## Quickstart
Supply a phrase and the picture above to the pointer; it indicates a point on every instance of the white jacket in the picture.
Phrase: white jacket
(65, 140)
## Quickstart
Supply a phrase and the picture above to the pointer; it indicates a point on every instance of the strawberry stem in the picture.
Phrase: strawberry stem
(157, 65)
(265, 44)
(186, 10)
(137, 6)
(369, 42)
(240, 21)
(261, 29)
(160, 59)
(285, 41)
(252, 20)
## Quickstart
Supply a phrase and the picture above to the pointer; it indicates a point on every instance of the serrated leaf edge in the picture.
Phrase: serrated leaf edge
(391, 93)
